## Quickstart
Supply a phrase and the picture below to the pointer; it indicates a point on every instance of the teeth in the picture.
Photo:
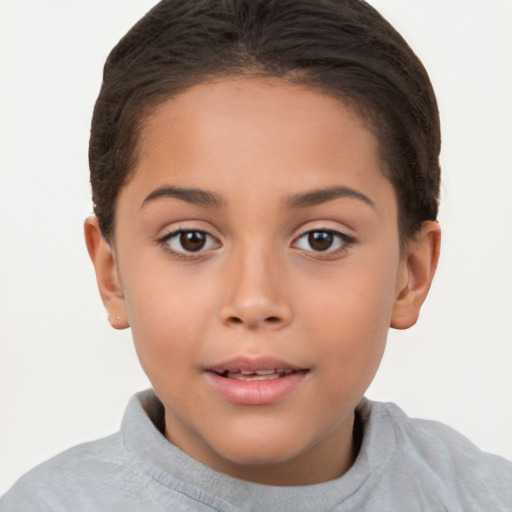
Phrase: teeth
(247, 375)
(253, 376)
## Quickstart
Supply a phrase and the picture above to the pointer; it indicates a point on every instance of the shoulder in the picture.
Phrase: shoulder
(119, 472)
(444, 448)
(443, 459)
(83, 467)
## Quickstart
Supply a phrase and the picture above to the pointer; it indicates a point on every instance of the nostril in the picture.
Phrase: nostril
(270, 320)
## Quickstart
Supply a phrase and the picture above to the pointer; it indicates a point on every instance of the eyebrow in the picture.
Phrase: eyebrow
(189, 195)
(201, 197)
(320, 196)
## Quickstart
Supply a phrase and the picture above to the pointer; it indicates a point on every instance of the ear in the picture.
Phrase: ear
(416, 273)
(105, 266)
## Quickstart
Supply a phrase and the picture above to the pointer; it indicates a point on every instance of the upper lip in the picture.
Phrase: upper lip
(252, 363)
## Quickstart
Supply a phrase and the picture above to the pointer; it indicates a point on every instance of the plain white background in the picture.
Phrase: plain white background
(65, 375)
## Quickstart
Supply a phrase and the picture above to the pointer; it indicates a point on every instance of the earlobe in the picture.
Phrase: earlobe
(418, 270)
(107, 277)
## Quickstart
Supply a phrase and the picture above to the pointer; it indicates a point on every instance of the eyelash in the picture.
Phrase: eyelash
(166, 241)
(342, 240)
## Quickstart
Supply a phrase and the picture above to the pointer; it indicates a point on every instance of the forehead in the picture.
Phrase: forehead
(252, 102)
(265, 136)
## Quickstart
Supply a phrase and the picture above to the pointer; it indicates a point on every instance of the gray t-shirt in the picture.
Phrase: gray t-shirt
(404, 465)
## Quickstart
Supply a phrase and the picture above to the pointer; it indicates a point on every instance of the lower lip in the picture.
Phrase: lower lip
(256, 392)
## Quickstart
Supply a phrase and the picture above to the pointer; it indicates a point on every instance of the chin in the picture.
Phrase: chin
(260, 456)
(259, 449)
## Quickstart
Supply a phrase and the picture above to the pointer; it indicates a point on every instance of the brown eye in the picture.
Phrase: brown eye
(192, 241)
(320, 240)
(189, 241)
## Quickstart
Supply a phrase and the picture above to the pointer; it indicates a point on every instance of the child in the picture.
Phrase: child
(265, 180)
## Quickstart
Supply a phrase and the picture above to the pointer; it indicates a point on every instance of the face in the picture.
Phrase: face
(257, 254)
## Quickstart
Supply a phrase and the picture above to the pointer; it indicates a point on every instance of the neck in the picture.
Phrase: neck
(327, 460)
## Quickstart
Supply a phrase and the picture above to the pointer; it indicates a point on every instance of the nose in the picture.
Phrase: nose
(255, 293)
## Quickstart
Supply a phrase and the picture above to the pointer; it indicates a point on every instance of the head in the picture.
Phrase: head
(343, 48)
(265, 179)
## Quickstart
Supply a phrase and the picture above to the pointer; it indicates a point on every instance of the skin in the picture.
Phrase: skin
(258, 286)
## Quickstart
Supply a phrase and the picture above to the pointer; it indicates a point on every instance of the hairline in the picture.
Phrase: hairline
(356, 106)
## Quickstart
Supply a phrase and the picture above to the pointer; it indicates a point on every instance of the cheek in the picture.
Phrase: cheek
(350, 318)
(162, 296)
(167, 315)
(353, 331)
(360, 295)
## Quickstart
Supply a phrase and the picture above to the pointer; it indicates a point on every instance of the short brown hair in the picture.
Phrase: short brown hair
(343, 47)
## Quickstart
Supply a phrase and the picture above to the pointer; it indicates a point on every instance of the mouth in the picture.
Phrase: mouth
(253, 375)
(255, 381)
(253, 368)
